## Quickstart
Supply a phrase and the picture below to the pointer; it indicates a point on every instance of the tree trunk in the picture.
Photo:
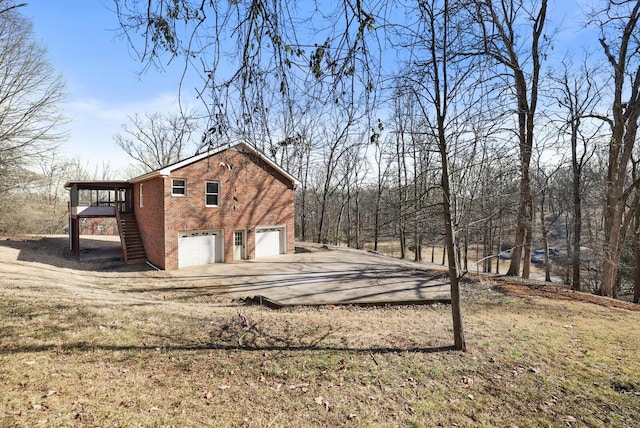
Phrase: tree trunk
(577, 235)
(522, 249)
(636, 257)
(348, 220)
(376, 227)
(456, 307)
(547, 265)
(567, 240)
(338, 223)
(402, 180)
(499, 248)
(466, 250)
(577, 203)
(545, 234)
(500, 25)
(357, 215)
(624, 127)
(403, 244)
(612, 250)
(323, 208)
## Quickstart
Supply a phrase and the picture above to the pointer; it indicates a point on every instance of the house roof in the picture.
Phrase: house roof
(241, 146)
(97, 184)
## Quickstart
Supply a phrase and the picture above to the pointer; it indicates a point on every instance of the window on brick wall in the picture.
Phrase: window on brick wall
(212, 192)
(178, 187)
(141, 199)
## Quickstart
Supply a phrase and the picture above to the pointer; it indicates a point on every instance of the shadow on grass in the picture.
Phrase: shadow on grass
(351, 284)
(236, 333)
(88, 347)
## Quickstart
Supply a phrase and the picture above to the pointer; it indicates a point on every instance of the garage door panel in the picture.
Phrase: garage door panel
(195, 249)
(269, 242)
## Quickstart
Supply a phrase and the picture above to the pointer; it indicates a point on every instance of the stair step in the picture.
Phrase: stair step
(132, 239)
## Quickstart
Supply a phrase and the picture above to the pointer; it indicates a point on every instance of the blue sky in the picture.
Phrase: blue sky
(103, 80)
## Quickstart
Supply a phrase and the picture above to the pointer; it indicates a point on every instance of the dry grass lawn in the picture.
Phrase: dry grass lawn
(75, 352)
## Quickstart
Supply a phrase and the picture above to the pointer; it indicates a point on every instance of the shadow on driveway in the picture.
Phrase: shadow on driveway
(338, 276)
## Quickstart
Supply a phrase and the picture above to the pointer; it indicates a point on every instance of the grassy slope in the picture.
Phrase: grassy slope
(531, 362)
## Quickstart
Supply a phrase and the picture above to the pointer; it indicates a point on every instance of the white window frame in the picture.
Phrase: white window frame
(183, 186)
(141, 197)
(207, 194)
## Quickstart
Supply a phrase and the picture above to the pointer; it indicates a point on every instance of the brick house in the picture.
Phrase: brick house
(225, 205)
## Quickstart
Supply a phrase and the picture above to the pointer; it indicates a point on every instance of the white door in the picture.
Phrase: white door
(238, 245)
(198, 248)
(269, 242)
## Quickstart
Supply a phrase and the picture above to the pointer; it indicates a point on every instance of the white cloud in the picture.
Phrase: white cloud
(93, 123)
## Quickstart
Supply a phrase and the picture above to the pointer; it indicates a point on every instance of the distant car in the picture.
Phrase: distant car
(538, 252)
(505, 255)
(537, 260)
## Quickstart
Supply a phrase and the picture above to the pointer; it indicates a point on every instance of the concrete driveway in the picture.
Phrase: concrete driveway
(335, 275)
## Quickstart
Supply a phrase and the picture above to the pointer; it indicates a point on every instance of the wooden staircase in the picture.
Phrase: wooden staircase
(132, 246)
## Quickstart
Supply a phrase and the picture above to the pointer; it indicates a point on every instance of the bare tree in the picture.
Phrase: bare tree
(156, 140)
(382, 167)
(8, 6)
(30, 95)
(335, 148)
(619, 23)
(403, 135)
(635, 235)
(257, 59)
(578, 95)
(501, 41)
(439, 76)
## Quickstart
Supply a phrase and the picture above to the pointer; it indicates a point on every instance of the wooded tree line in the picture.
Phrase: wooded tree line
(462, 123)
(30, 97)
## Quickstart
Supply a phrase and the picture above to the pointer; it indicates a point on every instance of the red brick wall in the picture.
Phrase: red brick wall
(150, 218)
(251, 194)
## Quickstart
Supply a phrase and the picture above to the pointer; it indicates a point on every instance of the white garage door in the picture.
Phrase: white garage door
(199, 248)
(269, 242)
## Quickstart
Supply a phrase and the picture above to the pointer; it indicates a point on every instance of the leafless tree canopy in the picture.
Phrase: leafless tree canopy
(258, 59)
(30, 95)
(157, 140)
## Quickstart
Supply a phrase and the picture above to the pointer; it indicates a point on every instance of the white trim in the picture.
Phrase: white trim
(206, 193)
(184, 186)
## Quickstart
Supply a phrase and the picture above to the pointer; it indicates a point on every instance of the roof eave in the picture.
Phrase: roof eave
(166, 171)
(147, 176)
